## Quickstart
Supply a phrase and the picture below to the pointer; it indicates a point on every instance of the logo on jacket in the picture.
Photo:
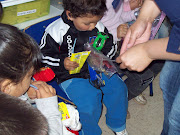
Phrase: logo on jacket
(70, 46)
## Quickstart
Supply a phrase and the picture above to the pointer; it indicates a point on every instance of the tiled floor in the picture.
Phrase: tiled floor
(145, 120)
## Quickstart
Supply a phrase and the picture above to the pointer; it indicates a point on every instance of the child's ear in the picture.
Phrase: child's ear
(6, 86)
(68, 13)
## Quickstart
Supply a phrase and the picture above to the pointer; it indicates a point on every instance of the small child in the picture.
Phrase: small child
(20, 58)
(79, 24)
(123, 13)
(20, 118)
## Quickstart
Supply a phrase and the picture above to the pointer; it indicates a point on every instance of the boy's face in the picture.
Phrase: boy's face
(86, 23)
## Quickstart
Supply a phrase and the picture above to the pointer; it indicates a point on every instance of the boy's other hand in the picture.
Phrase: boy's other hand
(122, 30)
(70, 65)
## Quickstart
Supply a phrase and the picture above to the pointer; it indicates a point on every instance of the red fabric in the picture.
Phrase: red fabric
(72, 131)
(45, 74)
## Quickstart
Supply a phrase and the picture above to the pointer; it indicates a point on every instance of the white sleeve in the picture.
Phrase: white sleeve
(49, 108)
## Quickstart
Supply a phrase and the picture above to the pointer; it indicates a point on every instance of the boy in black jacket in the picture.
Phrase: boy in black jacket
(79, 24)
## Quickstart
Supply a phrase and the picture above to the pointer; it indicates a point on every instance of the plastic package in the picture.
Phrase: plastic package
(99, 62)
(80, 58)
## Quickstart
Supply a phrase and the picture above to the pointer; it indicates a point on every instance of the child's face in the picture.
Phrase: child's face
(20, 88)
(86, 23)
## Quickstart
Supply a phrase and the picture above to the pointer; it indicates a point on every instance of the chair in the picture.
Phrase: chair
(36, 31)
(138, 80)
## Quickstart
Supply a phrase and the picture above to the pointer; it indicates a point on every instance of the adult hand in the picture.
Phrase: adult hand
(135, 58)
(139, 32)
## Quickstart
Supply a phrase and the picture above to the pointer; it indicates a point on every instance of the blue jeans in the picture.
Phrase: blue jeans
(88, 100)
(170, 85)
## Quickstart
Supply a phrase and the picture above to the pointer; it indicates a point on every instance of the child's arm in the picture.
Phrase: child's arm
(47, 103)
(127, 14)
(135, 4)
(51, 54)
(131, 5)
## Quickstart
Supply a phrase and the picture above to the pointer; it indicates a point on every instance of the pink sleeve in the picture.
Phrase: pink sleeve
(126, 6)
(128, 16)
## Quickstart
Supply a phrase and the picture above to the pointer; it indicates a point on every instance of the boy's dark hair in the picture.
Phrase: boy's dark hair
(19, 118)
(83, 7)
(18, 54)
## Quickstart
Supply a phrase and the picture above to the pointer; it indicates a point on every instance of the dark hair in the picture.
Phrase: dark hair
(1, 10)
(19, 118)
(18, 54)
(83, 7)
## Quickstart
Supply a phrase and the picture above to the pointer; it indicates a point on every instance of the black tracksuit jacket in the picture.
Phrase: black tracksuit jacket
(57, 43)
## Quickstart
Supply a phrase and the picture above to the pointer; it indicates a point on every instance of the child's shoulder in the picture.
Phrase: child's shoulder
(100, 26)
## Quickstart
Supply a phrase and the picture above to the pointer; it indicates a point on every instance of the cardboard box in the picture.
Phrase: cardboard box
(26, 11)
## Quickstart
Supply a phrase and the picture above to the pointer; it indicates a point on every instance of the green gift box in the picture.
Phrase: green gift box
(26, 11)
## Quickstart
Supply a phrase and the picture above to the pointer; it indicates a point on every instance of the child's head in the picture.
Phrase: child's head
(19, 118)
(85, 13)
(20, 57)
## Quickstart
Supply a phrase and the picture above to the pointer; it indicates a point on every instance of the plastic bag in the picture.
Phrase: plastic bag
(99, 62)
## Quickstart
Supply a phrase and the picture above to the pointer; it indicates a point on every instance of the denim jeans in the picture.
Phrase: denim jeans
(164, 29)
(170, 85)
(88, 100)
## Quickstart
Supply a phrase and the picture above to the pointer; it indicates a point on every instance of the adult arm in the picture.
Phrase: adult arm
(140, 31)
(140, 56)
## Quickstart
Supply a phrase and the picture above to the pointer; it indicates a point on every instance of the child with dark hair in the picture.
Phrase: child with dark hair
(20, 57)
(20, 118)
(78, 25)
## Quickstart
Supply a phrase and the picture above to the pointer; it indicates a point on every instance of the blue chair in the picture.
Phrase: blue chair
(36, 31)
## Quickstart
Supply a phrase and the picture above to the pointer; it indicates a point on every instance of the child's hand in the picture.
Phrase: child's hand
(122, 30)
(135, 4)
(44, 90)
(31, 93)
(70, 65)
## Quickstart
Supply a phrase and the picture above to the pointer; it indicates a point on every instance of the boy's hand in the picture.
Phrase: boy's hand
(70, 65)
(44, 90)
(122, 30)
(135, 4)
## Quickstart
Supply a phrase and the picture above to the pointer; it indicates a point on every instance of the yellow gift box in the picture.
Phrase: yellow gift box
(26, 11)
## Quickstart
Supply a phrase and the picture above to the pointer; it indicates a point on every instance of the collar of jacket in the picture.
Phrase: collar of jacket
(69, 22)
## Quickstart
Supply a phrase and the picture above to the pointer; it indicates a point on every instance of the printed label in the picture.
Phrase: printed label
(64, 111)
(26, 12)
